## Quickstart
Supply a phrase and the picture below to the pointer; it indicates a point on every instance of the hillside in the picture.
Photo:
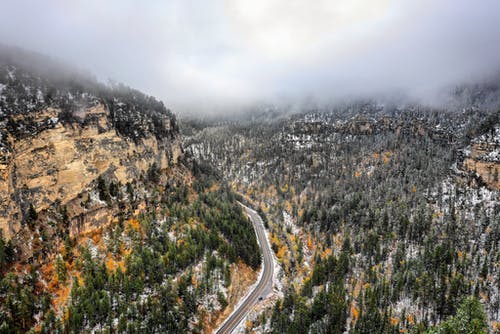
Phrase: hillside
(105, 225)
(385, 218)
(61, 131)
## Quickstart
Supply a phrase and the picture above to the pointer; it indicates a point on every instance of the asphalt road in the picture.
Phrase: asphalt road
(265, 285)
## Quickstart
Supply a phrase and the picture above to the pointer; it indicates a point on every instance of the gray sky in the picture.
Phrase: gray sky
(203, 55)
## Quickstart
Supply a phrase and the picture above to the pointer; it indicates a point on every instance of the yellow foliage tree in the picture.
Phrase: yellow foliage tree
(309, 242)
(281, 252)
(355, 313)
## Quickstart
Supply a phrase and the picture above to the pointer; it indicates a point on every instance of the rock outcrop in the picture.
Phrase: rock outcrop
(57, 136)
(483, 158)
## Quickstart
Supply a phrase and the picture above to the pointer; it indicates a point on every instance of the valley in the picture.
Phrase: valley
(383, 218)
(367, 216)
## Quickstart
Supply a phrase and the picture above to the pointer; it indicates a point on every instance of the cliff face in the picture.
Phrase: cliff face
(483, 158)
(57, 136)
(59, 163)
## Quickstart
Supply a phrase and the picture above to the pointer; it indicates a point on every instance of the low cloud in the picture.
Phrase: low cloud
(201, 56)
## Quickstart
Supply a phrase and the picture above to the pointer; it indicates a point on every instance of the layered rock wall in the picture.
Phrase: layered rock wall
(60, 162)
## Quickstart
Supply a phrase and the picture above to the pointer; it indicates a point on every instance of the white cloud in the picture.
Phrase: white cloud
(199, 54)
(284, 29)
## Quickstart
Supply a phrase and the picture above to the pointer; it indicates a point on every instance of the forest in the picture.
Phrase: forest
(154, 272)
(378, 225)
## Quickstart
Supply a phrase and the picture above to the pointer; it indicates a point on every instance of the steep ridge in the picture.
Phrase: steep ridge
(105, 224)
(60, 132)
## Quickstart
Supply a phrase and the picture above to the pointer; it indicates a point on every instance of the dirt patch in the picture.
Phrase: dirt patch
(242, 277)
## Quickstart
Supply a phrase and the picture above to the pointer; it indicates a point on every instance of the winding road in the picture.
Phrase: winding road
(265, 285)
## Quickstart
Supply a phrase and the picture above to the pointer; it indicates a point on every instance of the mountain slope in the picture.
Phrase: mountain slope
(105, 225)
(384, 219)
(60, 132)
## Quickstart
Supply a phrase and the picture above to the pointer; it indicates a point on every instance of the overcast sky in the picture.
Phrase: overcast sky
(218, 54)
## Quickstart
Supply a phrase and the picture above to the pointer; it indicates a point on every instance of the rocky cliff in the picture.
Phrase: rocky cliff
(483, 157)
(59, 131)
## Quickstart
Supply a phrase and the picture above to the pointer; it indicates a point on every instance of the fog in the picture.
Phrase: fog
(201, 56)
